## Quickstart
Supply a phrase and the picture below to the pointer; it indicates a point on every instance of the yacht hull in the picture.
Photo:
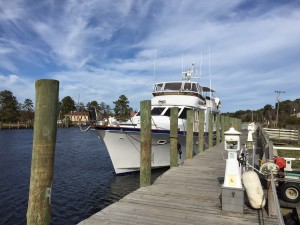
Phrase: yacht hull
(123, 145)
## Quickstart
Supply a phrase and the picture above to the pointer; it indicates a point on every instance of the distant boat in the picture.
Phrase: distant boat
(123, 139)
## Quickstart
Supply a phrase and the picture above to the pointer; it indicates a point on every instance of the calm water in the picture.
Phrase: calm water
(84, 181)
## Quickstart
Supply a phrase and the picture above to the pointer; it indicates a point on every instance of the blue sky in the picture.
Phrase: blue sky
(101, 49)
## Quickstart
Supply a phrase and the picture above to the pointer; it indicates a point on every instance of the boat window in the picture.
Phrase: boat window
(172, 86)
(182, 115)
(158, 87)
(168, 112)
(161, 142)
(194, 88)
(157, 111)
(187, 86)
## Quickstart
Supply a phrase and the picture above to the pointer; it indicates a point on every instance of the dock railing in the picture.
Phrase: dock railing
(283, 134)
(266, 154)
(266, 144)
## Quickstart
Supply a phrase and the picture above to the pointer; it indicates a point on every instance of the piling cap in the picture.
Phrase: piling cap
(232, 131)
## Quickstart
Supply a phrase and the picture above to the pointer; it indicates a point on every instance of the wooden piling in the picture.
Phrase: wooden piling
(227, 123)
(174, 137)
(210, 129)
(189, 134)
(44, 138)
(145, 170)
(218, 125)
(222, 127)
(201, 132)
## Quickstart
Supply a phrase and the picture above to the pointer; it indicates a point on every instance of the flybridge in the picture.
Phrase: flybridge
(177, 87)
(181, 88)
(185, 87)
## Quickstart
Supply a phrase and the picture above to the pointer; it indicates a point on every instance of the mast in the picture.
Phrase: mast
(209, 71)
(154, 65)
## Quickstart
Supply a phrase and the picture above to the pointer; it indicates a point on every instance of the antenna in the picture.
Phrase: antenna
(78, 107)
(209, 70)
(181, 63)
(200, 65)
(154, 65)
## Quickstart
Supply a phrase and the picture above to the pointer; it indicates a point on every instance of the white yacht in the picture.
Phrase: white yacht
(123, 139)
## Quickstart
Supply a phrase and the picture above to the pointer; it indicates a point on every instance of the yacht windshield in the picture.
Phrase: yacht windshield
(158, 87)
(190, 87)
(156, 111)
(172, 86)
(182, 114)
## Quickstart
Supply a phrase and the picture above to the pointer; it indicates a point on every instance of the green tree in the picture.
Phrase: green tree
(94, 110)
(81, 107)
(27, 105)
(9, 110)
(27, 113)
(67, 105)
(122, 109)
(94, 104)
(105, 110)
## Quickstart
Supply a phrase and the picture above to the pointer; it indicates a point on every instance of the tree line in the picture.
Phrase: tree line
(287, 114)
(11, 110)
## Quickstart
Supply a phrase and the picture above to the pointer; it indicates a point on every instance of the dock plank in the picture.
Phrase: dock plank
(188, 194)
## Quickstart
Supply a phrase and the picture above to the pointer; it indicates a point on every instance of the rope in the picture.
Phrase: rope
(128, 136)
(254, 168)
(154, 122)
(85, 129)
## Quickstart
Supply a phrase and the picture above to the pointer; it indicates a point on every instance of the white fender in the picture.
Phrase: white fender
(254, 189)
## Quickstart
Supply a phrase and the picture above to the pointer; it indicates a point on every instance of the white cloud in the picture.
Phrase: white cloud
(102, 49)
(11, 9)
(20, 87)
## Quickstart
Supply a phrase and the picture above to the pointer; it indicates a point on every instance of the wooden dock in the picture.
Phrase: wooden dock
(188, 194)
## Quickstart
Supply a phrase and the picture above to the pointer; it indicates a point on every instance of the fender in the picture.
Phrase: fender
(254, 189)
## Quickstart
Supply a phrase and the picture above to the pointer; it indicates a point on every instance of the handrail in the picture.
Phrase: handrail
(283, 134)
(276, 202)
(286, 148)
(267, 146)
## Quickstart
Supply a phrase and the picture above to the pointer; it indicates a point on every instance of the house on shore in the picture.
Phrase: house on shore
(77, 118)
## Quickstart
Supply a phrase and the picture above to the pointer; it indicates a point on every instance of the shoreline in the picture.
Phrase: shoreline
(13, 126)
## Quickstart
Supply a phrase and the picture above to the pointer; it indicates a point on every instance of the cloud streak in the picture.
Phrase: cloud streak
(102, 49)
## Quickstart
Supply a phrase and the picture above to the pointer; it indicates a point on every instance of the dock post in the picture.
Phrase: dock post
(270, 198)
(234, 123)
(189, 134)
(218, 125)
(44, 138)
(222, 127)
(145, 170)
(201, 132)
(210, 129)
(174, 137)
(227, 123)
